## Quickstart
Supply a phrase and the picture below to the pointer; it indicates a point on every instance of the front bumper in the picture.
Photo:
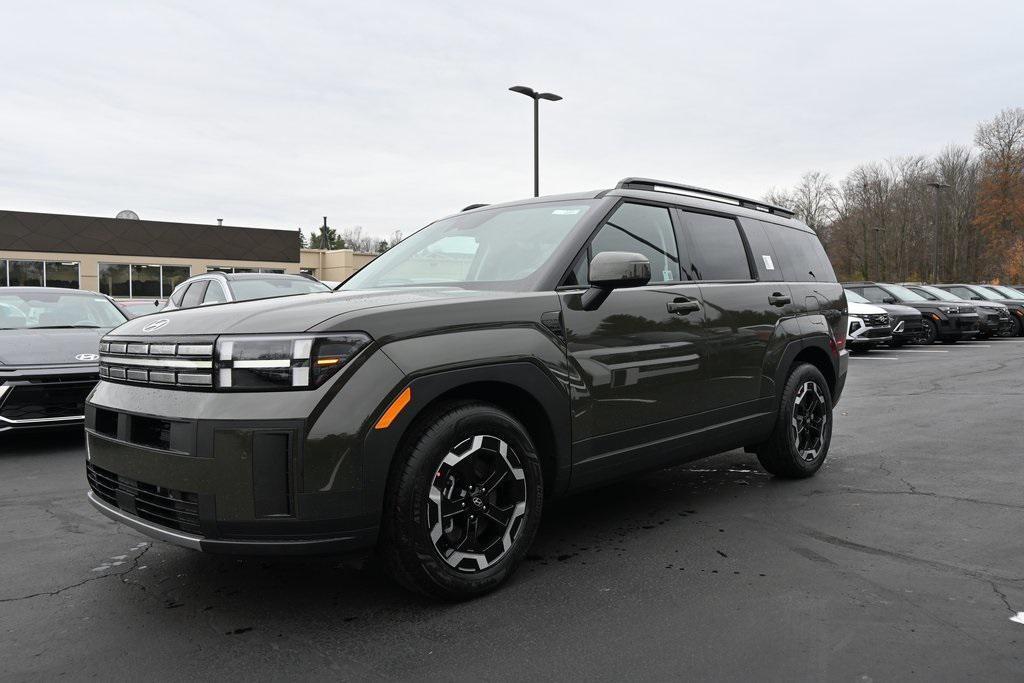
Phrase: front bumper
(240, 473)
(962, 326)
(44, 396)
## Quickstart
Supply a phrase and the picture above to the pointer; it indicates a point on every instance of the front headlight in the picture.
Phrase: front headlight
(282, 361)
(949, 310)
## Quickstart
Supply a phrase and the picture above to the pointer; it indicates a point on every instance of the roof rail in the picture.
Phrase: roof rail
(652, 185)
(473, 206)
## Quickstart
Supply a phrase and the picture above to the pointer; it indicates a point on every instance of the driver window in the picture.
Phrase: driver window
(641, 229)
(875, 295)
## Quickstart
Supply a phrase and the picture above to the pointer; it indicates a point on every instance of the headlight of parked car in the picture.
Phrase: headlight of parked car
(271, 361)
(949, 310)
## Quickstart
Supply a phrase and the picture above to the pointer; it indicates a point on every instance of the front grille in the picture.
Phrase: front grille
(876, 320)
(166, 507)
(876, 333)
(185, 362)
(43, 400)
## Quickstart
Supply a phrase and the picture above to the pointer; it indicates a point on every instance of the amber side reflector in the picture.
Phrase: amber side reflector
(394, 409)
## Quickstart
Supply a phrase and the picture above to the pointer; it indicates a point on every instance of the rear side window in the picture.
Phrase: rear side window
(179, 295)
(766, 261)
(214, 294)
(644, 230)
(194, 295)
(718, 251)
(804, 259)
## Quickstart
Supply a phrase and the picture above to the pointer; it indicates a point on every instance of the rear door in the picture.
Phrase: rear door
(743, 301)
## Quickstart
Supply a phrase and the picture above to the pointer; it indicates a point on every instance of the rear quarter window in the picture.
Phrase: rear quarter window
(803, 258)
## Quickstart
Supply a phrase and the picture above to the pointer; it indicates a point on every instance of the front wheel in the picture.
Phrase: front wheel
(463, 506)
(803, 428)
(931, 332)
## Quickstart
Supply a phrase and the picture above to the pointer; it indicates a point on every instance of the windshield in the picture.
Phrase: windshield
(904, 294)
(1010, 292)
(856, 298)
(502, 245)
(245, 290)
(50, 310)
(940, 293)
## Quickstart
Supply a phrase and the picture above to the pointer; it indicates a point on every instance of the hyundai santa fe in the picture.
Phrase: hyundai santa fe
(495, 359)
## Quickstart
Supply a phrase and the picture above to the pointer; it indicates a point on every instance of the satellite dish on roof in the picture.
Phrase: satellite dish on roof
(127, 214)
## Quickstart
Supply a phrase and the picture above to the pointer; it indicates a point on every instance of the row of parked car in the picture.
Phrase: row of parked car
(898, 314)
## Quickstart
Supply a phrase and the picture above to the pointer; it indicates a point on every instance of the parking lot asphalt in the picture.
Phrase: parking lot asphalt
(903, 558)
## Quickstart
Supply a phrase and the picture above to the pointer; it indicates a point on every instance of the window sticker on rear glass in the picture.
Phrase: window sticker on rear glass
(768, 265)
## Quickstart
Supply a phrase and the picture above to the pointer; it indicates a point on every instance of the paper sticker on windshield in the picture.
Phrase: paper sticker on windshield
(768, 265)
(565, 212)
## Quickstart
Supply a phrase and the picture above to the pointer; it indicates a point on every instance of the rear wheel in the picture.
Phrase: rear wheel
(463, 507)
(803, 428)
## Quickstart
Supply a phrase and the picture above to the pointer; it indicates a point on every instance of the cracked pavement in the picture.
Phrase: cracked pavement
(903, 557)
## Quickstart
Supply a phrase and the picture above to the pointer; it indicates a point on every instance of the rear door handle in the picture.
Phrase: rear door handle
(779, 299)
(683, 306)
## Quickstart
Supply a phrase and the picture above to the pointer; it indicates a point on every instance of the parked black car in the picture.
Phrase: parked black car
(948, 323)
(49, 353)
(498, 357)
(994, 318)
(978, 293)
(219, 288)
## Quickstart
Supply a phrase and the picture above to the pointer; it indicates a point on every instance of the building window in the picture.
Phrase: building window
(174, 276)
(39, 273)
(61, 274)
(140, 280)
(232, 269)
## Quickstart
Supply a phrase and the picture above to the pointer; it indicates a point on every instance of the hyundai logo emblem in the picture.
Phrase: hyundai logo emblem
(155, 325)
(87, 356)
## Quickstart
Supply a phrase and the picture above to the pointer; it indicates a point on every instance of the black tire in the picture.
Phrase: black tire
(1018, 330)
(931, 332)
(781, 455)
(408, 551)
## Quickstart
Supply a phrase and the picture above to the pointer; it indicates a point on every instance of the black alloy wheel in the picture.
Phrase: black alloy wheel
(478, 500)
(931, 332)
(463, 502)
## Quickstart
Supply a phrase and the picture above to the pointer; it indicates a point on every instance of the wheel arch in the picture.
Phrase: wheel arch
(521, 388)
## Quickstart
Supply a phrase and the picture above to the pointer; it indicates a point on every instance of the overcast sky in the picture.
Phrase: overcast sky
(391, 114)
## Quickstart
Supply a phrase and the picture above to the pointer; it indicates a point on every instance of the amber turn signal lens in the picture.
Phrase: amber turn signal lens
(394, 409)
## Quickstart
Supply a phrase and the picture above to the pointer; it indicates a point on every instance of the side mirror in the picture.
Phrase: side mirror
(614, 270)
(888, 300)
(975, 298)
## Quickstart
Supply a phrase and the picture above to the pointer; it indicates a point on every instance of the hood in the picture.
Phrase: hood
(49, 347)
(288, 313)
(855, 308)
(898, 310)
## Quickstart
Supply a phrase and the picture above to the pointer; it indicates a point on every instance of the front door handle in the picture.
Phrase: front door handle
(683, 306)
(779, 299)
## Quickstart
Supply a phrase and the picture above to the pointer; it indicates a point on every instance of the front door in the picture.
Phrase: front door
(640, 356)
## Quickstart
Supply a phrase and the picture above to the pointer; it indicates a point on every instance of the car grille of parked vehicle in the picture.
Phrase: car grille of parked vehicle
(175, 509)
(173, 362)
(876, 320)
(44, 399)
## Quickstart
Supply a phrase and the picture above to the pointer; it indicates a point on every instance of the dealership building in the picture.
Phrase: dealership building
(132, 258)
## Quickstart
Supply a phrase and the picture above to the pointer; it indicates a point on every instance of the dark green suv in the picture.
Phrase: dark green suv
(494, 359)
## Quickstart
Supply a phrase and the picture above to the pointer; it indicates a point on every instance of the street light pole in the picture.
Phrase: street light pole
(536, 97)
(938, 185)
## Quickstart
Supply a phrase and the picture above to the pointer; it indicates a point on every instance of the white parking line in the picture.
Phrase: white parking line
(874, 357)
(922, 351)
